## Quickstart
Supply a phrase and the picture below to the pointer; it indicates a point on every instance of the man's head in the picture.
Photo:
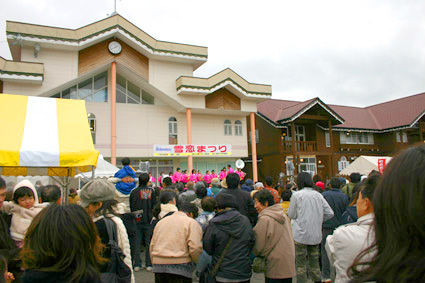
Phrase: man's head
(178, 169)
(50, 193)
(232, 181)
(355, 177)
(167, 196)
(190, 186)
(143, 179)
(201, 190)
(2, 191)
(304, 180)
(125, 161)
(215, 182)
(269, 181)
(335, 183)
(180, 187)
(258, 186)
(167, 182)
(225, 201)
(190, 209)
(208, 204)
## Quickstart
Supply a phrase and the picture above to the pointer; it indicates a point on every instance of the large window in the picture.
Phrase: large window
(227, 128)
(238, 128)
(356, 138)
(128, 92)
(172, 130)
(93, 89)
(401, 137)
(92, 124)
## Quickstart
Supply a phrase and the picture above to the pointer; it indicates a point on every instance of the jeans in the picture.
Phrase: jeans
(326, 270)
(143, 233)
(307, 262)
(204, 260)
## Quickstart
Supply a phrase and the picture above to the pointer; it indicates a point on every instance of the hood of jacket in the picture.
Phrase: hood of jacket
(230, 222)
(275, 211)
(28, 184)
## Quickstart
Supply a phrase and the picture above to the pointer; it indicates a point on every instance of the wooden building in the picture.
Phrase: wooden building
(323, 139)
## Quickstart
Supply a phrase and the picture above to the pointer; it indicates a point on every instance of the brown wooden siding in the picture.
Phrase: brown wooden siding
(223, 99)
(1, 86)
(97, 55)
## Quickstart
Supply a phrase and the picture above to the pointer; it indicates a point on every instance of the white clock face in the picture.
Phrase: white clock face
(114, 47)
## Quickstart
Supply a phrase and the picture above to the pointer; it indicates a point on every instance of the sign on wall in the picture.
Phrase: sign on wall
(192, 149)
(381, 165)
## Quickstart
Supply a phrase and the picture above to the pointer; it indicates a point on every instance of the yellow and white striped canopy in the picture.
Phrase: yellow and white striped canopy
(44, 136)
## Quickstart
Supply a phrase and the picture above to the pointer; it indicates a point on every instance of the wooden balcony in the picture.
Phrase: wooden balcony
(300, 146)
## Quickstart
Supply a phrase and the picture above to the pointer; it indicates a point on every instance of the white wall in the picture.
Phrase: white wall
(60, 66)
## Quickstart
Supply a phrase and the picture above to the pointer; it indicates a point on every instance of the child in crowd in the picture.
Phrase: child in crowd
(23, 208)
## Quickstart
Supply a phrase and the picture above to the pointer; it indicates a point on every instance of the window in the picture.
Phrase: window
(238, 128)
(128, 92)
(404, 137)
(327, 139)
(172, 130)
(356, 138)
(257, 137)
(93, 89)
(227, 128)
(92, 124)
(342, 163)
(397, 137)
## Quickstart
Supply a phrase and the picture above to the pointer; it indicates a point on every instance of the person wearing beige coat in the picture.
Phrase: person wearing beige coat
(273, 239)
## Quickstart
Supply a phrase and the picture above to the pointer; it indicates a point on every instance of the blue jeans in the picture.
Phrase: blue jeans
(143, 233)
(203, 261)
(326, 269)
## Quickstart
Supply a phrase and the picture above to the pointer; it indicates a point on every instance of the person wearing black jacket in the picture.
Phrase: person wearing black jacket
(338, 201)
(244, 202)
(228, 224)
(142, 202)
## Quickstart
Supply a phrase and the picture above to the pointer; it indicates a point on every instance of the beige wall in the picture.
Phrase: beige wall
(60, 66)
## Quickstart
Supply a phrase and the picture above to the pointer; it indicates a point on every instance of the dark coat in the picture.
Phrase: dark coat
(338, 201)
(143, 199)
(236, 263)
(244, 202)
(8, 248)
(33, 276)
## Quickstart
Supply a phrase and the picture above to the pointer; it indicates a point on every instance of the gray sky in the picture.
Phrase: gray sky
(358, 52)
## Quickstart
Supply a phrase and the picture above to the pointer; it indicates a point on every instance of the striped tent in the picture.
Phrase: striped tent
(44, 137)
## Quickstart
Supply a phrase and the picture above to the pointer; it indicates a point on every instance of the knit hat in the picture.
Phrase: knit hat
(225, 200)
(224, 183)
(95, 191)
(258, 185)
(215, 181)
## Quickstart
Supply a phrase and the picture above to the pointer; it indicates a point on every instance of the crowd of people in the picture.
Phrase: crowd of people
(220, 228)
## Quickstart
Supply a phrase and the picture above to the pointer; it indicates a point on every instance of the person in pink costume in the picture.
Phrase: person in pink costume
(207, 177)
(160, 178)
(240, 173)
(223, 173)
(200, 177)
(194, 176)
(177, 176)
(185, 178)
(230, 169)
(152, 179)
(213, 174)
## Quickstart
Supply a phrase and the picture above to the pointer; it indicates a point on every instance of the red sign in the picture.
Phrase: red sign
(381, 165)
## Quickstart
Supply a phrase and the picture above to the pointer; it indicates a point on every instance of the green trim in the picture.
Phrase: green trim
(105, 30)
(228, 79)
(22, 73)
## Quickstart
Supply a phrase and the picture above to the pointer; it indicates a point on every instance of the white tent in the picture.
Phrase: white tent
(364, 165)
(104, 169)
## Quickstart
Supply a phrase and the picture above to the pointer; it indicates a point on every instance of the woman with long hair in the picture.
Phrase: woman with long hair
(399, 203)
(62, 245)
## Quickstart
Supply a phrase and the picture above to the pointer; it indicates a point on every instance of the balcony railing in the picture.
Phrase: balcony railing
(300, 146)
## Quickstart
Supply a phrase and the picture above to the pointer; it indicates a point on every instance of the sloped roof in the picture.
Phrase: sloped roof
(403, 112)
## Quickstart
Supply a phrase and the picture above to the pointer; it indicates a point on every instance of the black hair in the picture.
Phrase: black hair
(178, 168)
(368, 187)
(264, 196)
(201, 190)
(179, 186)
(125, 161)
(143, 179)
(50, 193)
(208, 204)
(355, 177)
(335, 183)
(165, 196)
(232, 181)
(304, 180)
(193, 171)
(286, 195)
(22, 192)
(107, 208)
(398, 201)
(167, 181)
(2, 183)
(189, 207)
(269, 181)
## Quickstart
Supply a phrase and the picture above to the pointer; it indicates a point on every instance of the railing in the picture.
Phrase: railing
(300, 146)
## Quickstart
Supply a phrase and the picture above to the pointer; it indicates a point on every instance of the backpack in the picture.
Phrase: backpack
(348, 190)
(117, 271)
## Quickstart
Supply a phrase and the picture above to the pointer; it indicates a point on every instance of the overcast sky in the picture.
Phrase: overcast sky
(358, 52)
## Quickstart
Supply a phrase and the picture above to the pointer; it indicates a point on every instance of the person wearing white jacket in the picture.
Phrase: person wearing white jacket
(97, 196)
(348, 241)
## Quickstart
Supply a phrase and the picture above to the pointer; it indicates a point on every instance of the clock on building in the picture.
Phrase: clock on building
(114, 47)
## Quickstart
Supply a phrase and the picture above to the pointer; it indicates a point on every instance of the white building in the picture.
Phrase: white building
(139, 91)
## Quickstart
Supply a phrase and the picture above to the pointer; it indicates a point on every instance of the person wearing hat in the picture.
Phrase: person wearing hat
(97, 197)
(257, 187)
(229, 228)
